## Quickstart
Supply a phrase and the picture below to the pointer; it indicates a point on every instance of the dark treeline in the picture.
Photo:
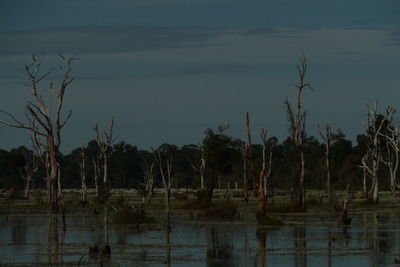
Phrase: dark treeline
(127, 164)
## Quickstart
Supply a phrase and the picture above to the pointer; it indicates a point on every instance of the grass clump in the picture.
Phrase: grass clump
(225, 210)
(132, 215)
(15, 193)
(180, 196)
(200, 203)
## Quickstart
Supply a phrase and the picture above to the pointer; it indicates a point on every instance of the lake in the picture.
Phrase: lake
(34, 237)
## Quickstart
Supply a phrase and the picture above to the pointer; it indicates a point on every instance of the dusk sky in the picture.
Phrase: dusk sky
(170, 69)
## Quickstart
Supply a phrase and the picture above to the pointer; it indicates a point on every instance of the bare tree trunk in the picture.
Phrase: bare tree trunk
(302, 196)
(297, 121)
(249, 154)
(262, 187)
(167, 179)
(82, 163)
(104, 142)
(44, 122)
(327, 137)
(373, 158)
(149, 182)
(245, 187)
(96, 175)
(365, 182)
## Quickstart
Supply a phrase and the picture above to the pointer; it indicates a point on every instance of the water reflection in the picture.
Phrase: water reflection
(18, 231)
(261, 235)
(53, 241)
(372, 240)
(300, 244)
(219, 250)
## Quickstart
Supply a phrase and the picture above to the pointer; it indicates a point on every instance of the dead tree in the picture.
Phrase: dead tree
(372, 160)
(327, 137)
(82, 163)
(249, 153)
(391, 157)
(167, 178)
(148, 182)
(96, 171)
(45, 122)
(264, 174)
(104, 141)
(266, 170)
(297, 121)
(202, 167)
(28, 171)
(245, 187)
(42, 155)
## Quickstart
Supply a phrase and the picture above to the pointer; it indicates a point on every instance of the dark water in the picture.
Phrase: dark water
(36, 238)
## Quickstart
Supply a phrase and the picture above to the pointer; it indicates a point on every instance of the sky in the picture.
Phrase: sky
(169, 69)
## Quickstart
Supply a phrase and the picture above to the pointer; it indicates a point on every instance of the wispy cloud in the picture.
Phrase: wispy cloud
(90, 40)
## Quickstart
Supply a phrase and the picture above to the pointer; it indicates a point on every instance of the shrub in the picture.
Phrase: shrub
(225, 210)
(15, 193)
(180, 196)
(132, 215)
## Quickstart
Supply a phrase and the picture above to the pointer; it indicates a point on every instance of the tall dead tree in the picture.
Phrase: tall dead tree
(266, 171)
(202, 167)
(104, 141)
(82, 165)
(249, 154)
(167, 178)
(96, 171)
(264, 174)
(245, 186)
(28, 171)
(148, 182)
(372, 160)
(297, 121)
(43, 121)
(391, 157)
(327, 137)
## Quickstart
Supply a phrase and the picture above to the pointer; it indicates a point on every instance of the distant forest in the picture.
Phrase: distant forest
(127, 164)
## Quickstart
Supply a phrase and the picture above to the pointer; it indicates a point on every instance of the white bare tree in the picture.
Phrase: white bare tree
(46, 123)
(327, 137)
(391, 157)
(373, 158)
(297, 122)
(202, 167)
(167, 179)
(148, 182)
(82, 165)
(104, 141)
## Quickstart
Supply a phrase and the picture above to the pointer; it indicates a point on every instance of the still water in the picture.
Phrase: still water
(33, 238)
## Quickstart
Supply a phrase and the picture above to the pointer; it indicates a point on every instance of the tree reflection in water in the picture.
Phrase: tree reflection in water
(219, 250)
(300, 244)
(53, 240)
(261, 235)
(18, 231)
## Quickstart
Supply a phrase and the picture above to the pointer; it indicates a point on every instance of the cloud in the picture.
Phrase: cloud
(92, 40)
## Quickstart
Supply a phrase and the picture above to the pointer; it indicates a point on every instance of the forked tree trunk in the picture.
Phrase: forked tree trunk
(45, 122)
(297, 121)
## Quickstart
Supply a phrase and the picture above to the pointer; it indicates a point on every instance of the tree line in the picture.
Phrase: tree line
(127, 164)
